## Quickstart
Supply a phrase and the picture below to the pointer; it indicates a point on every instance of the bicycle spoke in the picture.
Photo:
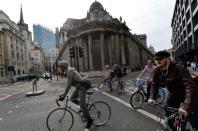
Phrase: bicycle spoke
(100, 112)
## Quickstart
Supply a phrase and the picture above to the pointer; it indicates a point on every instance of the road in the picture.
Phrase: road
(20, 113)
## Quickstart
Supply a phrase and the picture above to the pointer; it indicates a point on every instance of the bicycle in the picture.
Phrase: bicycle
(116, 83)
(120, 85)
(180, 122)
(140, 95)
(62, 118)
(104, 85)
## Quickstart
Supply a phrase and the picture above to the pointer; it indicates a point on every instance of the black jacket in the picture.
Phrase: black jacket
(178, 82)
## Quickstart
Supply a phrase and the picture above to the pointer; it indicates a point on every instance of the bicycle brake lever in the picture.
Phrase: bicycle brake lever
(57, 102)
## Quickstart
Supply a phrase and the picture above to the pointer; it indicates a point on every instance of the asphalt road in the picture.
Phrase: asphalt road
(20, 113)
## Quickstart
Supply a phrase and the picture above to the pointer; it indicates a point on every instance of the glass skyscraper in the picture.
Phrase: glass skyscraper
(45, 37)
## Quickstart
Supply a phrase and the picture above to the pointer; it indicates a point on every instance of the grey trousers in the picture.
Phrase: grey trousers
(81, 93)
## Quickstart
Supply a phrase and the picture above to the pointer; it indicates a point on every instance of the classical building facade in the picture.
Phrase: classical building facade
(103, 40)
(185, 30)
(12, 48)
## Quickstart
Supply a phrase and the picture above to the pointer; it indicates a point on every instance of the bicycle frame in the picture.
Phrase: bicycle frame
(70, 107)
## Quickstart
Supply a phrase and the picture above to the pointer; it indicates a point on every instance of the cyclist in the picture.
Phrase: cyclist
(117, 71)
(75, 78)
(183, 91)
(147, 74)
(108, 76)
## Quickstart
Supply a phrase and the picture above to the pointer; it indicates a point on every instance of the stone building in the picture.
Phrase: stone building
(28, 40)
(12, 48)
(104, 40)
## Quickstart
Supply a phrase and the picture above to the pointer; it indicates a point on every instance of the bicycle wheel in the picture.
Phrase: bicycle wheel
(60, 119)
(161, 96)
(136, 100)
(100, 112)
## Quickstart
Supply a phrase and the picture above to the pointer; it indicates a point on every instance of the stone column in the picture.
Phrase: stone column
(110, 52)
(90, 52)
(117, 49)
(85, 57)
(113, 53)
(123, 57)
(102, 49)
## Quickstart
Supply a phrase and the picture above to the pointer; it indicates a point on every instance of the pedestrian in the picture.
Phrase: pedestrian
(34, 84)
(193, 66)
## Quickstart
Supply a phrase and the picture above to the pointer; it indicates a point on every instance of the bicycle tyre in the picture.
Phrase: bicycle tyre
(96, 112)
(137, 96)
(161, 97)
(56, 122)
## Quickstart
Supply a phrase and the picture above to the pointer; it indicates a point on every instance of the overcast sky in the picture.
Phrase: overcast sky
(150, 17)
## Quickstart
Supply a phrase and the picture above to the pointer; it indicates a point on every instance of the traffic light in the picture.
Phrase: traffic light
(81, 52)
(72, 52)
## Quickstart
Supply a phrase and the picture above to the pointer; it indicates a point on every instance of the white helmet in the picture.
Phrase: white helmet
(63, 63)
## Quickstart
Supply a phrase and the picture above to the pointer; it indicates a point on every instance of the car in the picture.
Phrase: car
(47, 76)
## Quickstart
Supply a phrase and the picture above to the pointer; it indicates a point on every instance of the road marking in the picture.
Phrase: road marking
(13, 94)
(1, 119)
(128, 105)
(10, 88)
(16, 106)
(9, 112)
(6, 96)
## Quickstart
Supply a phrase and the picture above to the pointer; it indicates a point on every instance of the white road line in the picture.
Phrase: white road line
(9, 112)
(1, 119)
(128, 105)
(5, 97)
(10, 88)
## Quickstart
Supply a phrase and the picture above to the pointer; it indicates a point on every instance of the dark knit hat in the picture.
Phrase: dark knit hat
(161, 54)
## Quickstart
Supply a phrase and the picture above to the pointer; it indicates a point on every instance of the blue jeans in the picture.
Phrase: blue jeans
(174, 102)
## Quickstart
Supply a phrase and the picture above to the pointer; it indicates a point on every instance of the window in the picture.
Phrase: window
(11, 46)
(1, 48)
(12, 54)
(17, 55)
(1, 59)
(1, 72)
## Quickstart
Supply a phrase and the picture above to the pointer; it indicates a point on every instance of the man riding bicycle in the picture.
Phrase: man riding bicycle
(183, 91)
(75, 78)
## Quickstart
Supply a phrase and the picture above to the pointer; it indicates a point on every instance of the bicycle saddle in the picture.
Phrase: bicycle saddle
(90, 92)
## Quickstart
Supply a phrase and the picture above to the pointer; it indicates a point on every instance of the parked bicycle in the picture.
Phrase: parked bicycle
(140, 95)
(180, 122)
(62, 118)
